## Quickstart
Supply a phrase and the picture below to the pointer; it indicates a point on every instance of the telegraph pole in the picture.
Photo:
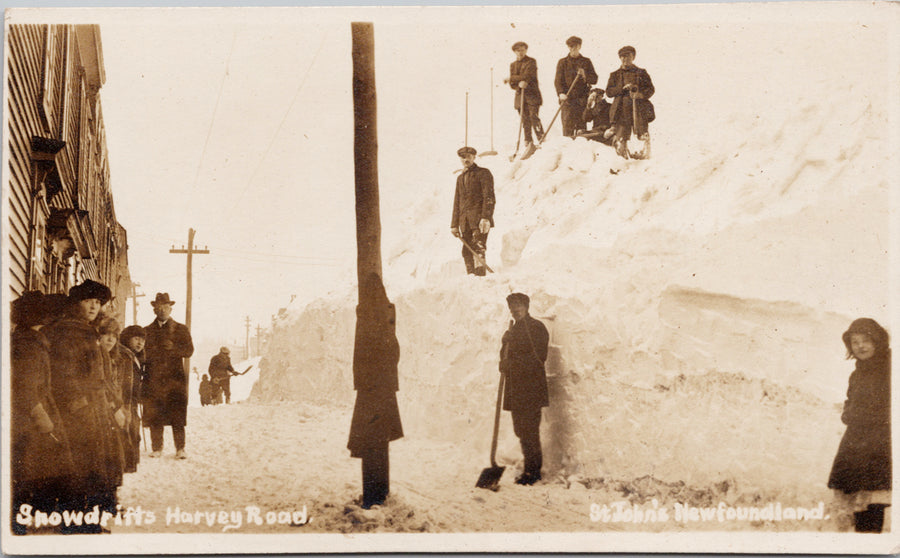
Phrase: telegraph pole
(247, 340)
(258, 337)
(190, 251)
(134, 296)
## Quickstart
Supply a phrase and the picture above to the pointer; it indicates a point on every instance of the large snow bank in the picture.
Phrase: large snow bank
(695, 300)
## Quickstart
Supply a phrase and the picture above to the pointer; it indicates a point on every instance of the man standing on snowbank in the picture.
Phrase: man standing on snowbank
(522, 358)
(524, 79)
(165, 392)
(629, 84)
(473, 210)
(573, 96)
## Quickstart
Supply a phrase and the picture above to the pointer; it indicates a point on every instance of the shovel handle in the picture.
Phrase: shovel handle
(497, 420)
(569, 92)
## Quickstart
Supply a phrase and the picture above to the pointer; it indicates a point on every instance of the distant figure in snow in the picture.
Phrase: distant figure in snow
(574, 98)
(221, 371)
(861, 473)
(205, 391)
(473, 210)
(165, 392)
(522, 356)
(629, 84)
(523, 78)
(597, 113)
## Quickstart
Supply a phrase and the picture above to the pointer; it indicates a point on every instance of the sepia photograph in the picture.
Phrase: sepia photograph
(597, 278)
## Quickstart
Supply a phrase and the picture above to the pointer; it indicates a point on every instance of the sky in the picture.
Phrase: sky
(238, 123)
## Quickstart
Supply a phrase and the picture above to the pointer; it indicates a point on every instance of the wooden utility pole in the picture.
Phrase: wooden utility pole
(258, 337)
(247, 340)
(376, 352)
(190, 251)
(134, 296)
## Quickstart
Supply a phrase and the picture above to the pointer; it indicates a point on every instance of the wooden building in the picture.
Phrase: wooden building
(62, 221)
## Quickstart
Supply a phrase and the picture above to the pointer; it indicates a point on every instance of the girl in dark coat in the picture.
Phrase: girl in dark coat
(118, 379)
(41, 457)
(861, 473)
(79, 388)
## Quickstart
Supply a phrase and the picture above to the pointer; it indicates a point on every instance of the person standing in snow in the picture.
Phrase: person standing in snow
(165, 393)
(473, 210)
(861, 472)
(524, 79)
(629, 84)
(221, 371)
(522, 357)
(132, 340)
(573, 96)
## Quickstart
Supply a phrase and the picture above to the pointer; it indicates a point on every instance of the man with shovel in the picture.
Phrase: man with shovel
(572, 96)
(630, 88)
(523, 355)
(524, 79)
(473, 211)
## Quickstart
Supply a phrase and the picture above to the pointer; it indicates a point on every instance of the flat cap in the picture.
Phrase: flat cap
(573, 40)
(518, 298)
(520, 44)
(462, 151)
(627, 48)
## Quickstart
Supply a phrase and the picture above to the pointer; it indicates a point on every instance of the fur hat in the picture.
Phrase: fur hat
(572, 41)
(518, 298)
(130, 333)
(873, 330)
(90, 289)
(625, 49)
(28, 310)
(161, 298)
(462, 151)
(520, 44)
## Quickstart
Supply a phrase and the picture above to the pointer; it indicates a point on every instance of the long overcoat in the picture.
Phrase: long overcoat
(863, 460)
(566, 70)
(620, 109)
(526, 345)
(525, 70)
(80, 390)
(124, 362)
(474, 199)
(36, 456)
(165, 391)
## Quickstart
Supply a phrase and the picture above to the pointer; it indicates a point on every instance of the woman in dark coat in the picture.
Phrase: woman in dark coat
(41, 457)
(131, 348)
(79, 388)
(861, 473)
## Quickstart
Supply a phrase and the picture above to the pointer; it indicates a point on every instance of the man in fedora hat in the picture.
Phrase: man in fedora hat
(573, 96)
(522, 356)
(221, 371)
(165, 392)
(473, 210)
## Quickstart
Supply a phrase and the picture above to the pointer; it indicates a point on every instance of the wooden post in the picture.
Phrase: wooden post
(258, 337)
(134, 296)
(247, 339)
(190, 251)
(376, 352)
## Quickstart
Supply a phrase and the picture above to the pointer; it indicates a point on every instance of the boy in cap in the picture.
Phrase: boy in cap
(473, 210)
(522, 357)
(524, 79)
(572, 95)
(629, 84)
(597, 113)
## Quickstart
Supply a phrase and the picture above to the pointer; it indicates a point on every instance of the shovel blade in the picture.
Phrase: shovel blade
(490, 478)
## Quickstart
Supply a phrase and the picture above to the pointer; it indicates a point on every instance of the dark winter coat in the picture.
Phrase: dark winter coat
(522, 359)
(112, 377)
(566, 70)
(525, 70)
(620, 109)
(79, 387)
(474, 199)
(597, 114)
(129, 372)
(863, 460)
(376, 353)
(36, 456)
(220, 366)
(165, 391)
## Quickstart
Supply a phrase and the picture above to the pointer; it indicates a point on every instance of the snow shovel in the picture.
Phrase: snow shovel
(477, 256)
(645, 152)
(552, 120)
(490, 477)
(491, 152)
(244, 372)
